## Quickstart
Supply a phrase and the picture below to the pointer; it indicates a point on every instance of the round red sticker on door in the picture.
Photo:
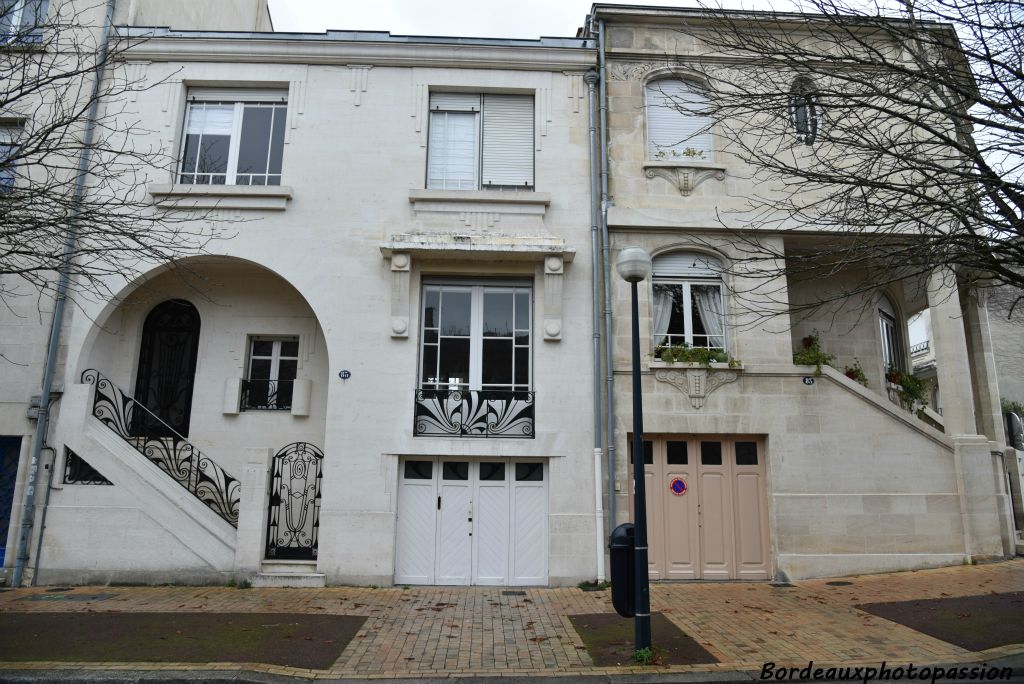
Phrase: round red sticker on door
(678, 487)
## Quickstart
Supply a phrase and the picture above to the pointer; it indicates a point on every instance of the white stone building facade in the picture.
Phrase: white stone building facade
(387, 374)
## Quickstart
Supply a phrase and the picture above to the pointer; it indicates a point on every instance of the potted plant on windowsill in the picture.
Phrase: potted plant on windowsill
(695, 356)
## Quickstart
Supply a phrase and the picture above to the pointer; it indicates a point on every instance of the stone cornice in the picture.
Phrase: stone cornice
(323, 52)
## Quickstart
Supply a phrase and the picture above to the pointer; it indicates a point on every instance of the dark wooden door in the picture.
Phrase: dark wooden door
(167, 370)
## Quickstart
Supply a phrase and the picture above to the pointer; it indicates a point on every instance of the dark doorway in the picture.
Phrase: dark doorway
(167, 370)
(10, 451)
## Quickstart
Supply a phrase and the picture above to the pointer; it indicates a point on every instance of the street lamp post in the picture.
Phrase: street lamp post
(633, 265)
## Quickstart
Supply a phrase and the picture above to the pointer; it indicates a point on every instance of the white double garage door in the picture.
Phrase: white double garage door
(466, 521)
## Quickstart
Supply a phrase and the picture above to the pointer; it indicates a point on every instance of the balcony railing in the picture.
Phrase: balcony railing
(267, 395)
(473, 413)
(920, 348)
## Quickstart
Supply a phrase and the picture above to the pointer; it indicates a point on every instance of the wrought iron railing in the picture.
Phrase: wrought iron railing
(919, 348)
(473, 413)
(267, 395)
(171, 452)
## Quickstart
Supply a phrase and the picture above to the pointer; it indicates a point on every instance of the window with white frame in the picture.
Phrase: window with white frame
(22, 20)
(892, 340)
(476, 336)
(678, 124)
(688, 301)
(233, 137)
(8, 152)
(270, 380)
(480, 142)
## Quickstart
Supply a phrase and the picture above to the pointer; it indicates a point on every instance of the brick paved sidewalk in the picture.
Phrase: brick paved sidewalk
(425, 632)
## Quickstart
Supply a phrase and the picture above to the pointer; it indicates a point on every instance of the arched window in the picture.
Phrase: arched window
(678, 123)
(892, 340)
(803, 111)
(689, 304)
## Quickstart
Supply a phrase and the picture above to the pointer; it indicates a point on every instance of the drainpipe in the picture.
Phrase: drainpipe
(591, 79)
(610, 378)
(63, 283)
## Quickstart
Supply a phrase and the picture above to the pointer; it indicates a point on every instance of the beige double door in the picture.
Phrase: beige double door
(707, 512)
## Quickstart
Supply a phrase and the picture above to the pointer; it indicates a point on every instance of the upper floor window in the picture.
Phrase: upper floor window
(892, 340)
(22, 20)
(233, 137)
(480, 142)
(8, 150)
(476, 336)
(678, 123)
(689, 307)
(273, 365)
(803, 111)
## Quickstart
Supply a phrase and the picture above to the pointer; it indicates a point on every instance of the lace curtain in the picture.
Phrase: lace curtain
(708, 299)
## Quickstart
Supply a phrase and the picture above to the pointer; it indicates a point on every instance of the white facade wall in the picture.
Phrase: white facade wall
(354, 159)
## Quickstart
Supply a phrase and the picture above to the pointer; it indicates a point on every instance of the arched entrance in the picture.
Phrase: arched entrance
(167, 369)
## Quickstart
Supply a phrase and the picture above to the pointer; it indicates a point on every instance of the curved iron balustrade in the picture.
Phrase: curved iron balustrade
(293, 522)
(473, 413)
(173, 454)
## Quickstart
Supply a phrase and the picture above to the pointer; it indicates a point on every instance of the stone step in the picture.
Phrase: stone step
(284, 566)
(306, 580)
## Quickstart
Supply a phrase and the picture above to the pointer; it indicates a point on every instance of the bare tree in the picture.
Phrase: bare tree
(882, 142)
(49, 101)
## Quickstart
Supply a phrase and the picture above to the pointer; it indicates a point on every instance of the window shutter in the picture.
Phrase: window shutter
(687, 265)
(237, 95)
(508, 141)
(674, 123)
(455, 102)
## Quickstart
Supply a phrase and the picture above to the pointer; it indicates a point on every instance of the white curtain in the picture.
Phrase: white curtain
(662, 312)
(709, 305)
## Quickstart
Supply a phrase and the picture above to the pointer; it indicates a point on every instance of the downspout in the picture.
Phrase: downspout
(606, 258)
(591, 79)
(63, 283)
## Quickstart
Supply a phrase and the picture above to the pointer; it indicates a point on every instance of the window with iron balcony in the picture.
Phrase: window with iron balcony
(475, 360)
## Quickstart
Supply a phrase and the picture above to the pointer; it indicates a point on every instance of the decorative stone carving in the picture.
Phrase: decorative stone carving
(401, 265)
(554, 269)
(632, 71)
(358, 74)
(685, 178)
(697, 383)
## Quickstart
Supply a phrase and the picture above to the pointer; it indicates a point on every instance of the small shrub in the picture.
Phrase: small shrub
(856, 373)
(811, 354)
(244, 583)
(1012, 407)
(644, 656)
(913, 391)
(593, 585)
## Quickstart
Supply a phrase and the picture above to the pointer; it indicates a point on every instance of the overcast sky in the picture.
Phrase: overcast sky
(478, 18)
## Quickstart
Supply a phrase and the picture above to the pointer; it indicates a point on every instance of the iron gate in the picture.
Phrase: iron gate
(293, 521)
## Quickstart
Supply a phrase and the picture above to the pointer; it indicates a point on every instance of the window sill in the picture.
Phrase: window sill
(656, 363)
(504, 197)
(684, 174)
(259, 197)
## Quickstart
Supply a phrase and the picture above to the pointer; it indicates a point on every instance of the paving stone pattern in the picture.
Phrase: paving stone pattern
(478, 630)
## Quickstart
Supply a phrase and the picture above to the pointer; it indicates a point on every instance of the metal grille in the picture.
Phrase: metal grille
(293, 523)
(77, 471)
